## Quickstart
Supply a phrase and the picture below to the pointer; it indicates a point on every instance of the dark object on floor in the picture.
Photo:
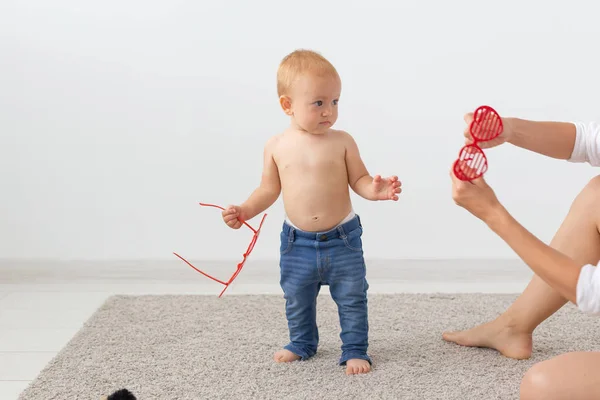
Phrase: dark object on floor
(122, 394)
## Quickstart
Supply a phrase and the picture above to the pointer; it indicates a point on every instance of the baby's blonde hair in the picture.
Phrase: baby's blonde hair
(302, 62)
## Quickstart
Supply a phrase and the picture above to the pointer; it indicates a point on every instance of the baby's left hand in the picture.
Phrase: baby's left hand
(386, 188)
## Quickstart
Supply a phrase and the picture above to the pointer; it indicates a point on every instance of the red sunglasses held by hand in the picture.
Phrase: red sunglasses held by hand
(472, 162)
(246, 254)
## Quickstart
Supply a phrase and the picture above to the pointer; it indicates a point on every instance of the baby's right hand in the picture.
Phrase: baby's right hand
(232, 216)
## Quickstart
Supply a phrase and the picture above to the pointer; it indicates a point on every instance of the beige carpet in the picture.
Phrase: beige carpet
(202, 347)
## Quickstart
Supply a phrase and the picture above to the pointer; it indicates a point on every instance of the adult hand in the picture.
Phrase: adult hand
(475, 196)
(505, 136)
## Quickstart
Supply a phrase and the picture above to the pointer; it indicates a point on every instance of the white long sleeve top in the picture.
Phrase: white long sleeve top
(587, 149)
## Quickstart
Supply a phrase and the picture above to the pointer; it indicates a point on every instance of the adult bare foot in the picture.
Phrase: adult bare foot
(505, 338)
(357, 366)
(285, 356)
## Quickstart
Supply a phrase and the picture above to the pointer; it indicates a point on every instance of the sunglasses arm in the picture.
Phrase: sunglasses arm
(213, 205)
(203, 273)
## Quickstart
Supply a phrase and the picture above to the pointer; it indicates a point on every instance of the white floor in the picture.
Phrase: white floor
(44, 303)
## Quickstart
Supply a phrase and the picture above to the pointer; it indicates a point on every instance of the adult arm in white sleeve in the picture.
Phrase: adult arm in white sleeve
(549, 138)
(579, 284)
(587, 144)
(557, 269)
(588, 290)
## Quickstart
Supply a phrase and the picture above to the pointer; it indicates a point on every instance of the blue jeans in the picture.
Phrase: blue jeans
(334, 258)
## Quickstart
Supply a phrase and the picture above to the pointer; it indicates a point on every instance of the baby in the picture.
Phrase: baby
(313, 166)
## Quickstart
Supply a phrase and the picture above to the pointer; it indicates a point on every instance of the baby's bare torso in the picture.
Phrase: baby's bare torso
(314, 178)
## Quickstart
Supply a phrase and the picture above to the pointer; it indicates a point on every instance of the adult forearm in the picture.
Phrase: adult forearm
(555, 268)
(552, 139)
(259, 201)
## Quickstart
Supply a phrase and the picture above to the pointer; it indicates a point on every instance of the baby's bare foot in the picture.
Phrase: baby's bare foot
(285, 356)
(357, 366)
(496, 335)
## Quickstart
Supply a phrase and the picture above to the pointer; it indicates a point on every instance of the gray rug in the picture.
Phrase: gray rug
(202, 347)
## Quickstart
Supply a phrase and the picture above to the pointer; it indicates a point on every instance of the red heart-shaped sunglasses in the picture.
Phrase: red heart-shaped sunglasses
(472, 162)
(246, 254)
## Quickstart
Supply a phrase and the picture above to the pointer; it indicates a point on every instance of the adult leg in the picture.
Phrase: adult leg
(572, 376)
(511, 333)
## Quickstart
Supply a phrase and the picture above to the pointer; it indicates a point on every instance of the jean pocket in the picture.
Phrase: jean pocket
(286, 244)
(353, 240)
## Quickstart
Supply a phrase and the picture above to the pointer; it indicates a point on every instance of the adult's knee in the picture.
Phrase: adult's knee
(588, 198)
(592, 188)
(537, 384)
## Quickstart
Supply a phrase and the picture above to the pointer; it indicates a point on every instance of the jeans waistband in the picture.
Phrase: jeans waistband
(339, 231)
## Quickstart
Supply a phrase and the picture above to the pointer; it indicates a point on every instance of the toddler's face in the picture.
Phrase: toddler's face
(314, 103)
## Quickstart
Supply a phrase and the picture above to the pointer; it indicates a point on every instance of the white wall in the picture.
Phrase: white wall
(117, 117)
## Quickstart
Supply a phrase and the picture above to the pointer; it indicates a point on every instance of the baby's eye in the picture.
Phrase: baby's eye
(335, 102)
(319, 103)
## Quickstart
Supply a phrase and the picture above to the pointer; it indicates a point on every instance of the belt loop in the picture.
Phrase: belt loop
(341, 231)
(291, 235)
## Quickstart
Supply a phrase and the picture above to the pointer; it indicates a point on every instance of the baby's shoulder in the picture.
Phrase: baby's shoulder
(340, 134)
(343, 137)
(273, 141)
(273, 146)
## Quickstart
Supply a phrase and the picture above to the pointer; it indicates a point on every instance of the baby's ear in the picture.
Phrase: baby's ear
(286, 104)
